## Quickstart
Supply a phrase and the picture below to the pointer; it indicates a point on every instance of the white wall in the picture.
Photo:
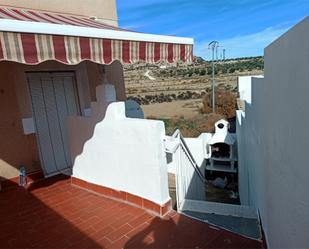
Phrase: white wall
(244, 87)
(274, 140)
(127, 155)
(197, 148)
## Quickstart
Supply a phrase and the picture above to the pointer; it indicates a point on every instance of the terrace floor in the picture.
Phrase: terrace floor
(54, 214)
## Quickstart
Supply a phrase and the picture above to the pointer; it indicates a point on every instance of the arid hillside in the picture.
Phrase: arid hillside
(182, 92)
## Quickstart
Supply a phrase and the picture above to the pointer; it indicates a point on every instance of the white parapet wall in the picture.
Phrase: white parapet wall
(126, 154)
(244, 87)
(273, 142)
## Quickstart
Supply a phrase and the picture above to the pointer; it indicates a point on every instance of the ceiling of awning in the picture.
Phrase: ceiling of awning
(32, 37)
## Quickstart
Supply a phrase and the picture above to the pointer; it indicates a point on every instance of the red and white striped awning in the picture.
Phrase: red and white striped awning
(32, 37)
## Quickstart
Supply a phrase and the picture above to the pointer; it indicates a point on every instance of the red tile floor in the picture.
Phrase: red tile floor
(54, 214)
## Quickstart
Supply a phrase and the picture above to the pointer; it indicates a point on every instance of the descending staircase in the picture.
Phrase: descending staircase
(189, 179)
(188, 190)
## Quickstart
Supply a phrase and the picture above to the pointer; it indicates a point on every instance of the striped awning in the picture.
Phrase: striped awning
(32, 37)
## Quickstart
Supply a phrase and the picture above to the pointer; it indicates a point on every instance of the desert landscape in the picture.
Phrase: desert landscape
(180, 94)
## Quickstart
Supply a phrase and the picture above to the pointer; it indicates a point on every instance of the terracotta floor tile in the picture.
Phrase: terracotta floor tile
(104, 243)
(120, 232)
(119, 243)
(55, 214)
(249, 244)
(140, 219)
(136, 230)
(228, 240)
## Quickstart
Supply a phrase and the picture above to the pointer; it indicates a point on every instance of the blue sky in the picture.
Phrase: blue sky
(242, 27)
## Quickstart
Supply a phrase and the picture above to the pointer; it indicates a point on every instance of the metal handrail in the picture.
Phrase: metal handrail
(187, 151)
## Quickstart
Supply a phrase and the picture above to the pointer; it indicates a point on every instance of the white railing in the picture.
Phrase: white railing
(190, 180)
(189, 155)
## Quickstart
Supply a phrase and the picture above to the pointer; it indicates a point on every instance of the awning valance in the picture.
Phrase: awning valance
(32, 37)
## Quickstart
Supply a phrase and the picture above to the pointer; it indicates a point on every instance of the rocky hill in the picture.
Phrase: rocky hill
(149, 84)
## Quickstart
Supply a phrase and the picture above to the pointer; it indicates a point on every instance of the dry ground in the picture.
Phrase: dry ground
(186, 108)
(180, 108)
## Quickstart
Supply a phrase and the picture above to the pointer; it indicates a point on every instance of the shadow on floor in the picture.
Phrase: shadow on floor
(180, 231)
(28, 221)
(245, 226)
(54, 214)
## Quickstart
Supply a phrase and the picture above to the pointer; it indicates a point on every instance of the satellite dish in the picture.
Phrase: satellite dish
(133, 110)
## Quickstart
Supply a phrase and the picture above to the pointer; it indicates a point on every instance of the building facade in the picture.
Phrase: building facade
(63, 104)
(15, 105)
(103, 10)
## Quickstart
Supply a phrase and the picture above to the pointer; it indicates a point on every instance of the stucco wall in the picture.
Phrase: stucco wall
(81, 128)
(16, 148)
(126, 154)
(244, 87)
(102, 9)
(273, 142)
(114, 75)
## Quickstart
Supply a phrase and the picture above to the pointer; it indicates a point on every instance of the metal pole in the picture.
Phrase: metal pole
(213, 81)
(216, 53)
(214, 47)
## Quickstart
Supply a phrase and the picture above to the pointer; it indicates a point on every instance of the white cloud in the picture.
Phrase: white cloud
(242, 46)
